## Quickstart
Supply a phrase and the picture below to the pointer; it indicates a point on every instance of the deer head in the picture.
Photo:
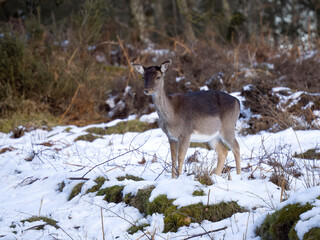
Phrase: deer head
(153, 76)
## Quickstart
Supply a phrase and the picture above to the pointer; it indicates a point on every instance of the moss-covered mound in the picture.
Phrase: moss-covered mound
(281, 224)
(177, 217)
(112, 194)
(99, 182)
(123, 127)
(75, 191)
(174, 216)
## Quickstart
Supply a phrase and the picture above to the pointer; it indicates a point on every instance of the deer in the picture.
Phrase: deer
(202, 116)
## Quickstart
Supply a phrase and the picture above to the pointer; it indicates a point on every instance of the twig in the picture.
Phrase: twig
(79, 178)
(127, 58)
(109, 160)
(208, 197)
(71, 103)
(40, 206)
(108, 209)
(245, 236)
(102, 224)
(282, 188)
(201, 234)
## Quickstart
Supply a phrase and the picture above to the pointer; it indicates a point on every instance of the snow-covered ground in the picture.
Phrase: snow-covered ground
(30, 188)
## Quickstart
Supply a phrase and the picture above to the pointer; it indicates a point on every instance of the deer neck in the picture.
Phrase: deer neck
(163, 105)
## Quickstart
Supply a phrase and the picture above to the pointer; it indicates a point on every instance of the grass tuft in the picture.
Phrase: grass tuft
(198, 193)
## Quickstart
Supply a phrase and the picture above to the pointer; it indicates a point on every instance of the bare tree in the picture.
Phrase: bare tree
(184, 10)
(140, 19)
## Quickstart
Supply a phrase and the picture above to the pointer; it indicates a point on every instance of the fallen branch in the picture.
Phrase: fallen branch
(201, 234)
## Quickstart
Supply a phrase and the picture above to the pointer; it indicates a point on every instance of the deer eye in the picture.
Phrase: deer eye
(157, 78)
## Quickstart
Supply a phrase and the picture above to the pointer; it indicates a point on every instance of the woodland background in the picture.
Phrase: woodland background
(66, 61)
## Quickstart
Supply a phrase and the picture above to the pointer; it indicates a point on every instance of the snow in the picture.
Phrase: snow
(30, 188)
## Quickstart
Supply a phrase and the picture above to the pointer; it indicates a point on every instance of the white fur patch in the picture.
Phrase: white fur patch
(138, 68)
(196, 137)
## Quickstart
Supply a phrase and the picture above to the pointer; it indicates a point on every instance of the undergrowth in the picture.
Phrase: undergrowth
(77, 73)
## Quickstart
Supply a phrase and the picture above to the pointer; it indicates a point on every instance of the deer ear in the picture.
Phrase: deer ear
(165, 65)
(138, 68)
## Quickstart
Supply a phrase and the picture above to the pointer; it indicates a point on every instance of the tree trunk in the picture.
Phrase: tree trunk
(183, 8)
(140, 19)
(253, 19)
(159, 15)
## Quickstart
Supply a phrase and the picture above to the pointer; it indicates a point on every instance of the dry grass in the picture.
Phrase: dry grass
(46, 82)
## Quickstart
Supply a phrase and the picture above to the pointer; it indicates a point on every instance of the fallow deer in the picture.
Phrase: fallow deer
(203, 116)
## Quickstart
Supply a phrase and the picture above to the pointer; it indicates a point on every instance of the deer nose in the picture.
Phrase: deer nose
(147, 91)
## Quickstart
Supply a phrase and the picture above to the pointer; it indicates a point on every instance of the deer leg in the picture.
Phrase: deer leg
(184, 143)
(236, 152)
(173, 150)
(232, 143)
(222, 152)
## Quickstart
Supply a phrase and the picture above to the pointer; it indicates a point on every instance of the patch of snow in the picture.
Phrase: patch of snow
(178, 79)
(150, 118)
(30, 187)
(204, 88)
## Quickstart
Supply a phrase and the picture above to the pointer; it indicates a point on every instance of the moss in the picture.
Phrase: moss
(88, 137)
(61, 186)
(112, 194)
(99, 182)
(130, 126)
(130, 177)
(48, 221)
(67, 130)
(97, 130)
(198, 193)
(200, 145)
(27, 119)
(176, 218)
(136, 228)
(312, 154)
(278, 225)
(159, 205)
(140, 200)
(76, 190)
(13, 225)
(313, 234)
